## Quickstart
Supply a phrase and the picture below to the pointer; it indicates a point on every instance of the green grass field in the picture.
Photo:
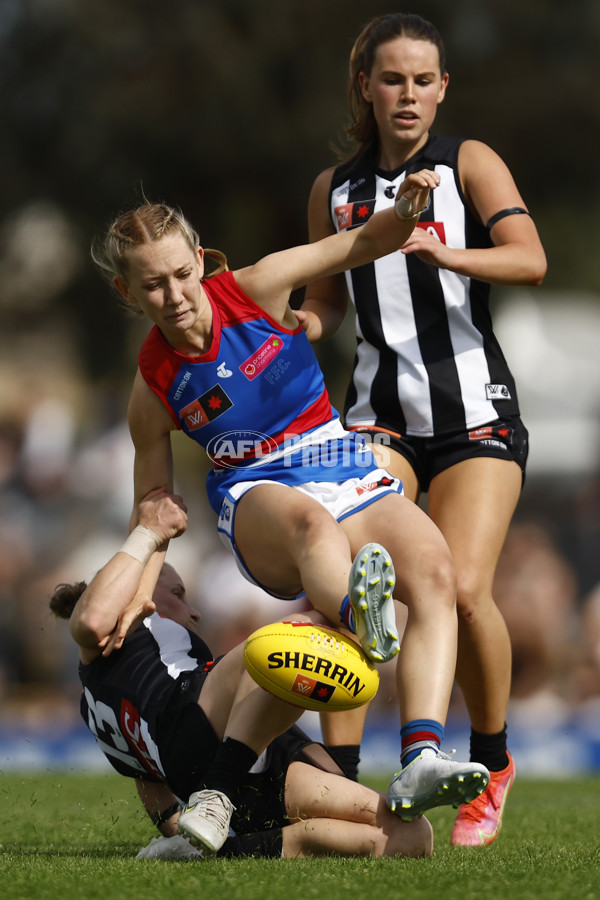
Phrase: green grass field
(72, 835)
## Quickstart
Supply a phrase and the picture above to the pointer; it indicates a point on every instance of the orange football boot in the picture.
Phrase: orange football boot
(478, 823)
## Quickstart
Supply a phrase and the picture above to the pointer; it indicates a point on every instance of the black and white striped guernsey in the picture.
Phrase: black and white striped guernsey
(125, 694)
(427, 361)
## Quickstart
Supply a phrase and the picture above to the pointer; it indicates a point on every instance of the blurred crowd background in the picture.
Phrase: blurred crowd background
(227, 108)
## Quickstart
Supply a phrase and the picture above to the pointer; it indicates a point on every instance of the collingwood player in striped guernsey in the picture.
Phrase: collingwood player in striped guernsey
(179, 722)
(430, 383)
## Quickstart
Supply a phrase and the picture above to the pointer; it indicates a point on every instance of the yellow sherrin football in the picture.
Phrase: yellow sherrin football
(312, 666)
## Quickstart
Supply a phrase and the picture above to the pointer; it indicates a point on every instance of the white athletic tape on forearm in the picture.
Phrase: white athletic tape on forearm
(141, 544)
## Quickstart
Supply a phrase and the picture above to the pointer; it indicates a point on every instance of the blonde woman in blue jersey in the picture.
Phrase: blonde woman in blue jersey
(430, 384)
(301, 503)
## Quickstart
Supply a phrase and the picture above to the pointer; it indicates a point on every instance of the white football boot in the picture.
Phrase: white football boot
(370, 588)
(176, 847)
(205, 820)
(433, 779)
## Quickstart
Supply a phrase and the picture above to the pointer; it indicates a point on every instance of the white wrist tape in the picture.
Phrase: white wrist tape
(141, 544)
(405, 210)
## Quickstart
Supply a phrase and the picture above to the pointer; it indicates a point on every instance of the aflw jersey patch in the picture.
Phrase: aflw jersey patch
(207, 408)
(350, 214)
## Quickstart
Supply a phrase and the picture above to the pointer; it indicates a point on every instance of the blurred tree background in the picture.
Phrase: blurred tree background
(226, 108)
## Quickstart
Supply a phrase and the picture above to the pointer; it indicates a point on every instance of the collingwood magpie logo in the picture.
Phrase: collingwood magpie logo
(223, 371)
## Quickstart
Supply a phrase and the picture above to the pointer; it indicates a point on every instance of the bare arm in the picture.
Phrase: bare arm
(122, 591)
(271, 280)
(326, 300)
(150, 427)
(113, 588)
(159, 800)
(517, 256)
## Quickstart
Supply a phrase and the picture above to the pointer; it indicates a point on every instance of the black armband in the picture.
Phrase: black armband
(159, 819)
(509, 211)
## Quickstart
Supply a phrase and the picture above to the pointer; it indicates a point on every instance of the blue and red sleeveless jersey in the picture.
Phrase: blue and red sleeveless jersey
(258, 385)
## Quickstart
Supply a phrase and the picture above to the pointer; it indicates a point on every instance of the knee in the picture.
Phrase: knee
(421, 843)
(435, 580)
(444, 578)
(471, 596)
(313, 525)
(413, 839)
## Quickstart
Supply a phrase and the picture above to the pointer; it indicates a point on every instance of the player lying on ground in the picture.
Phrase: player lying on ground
(181, 724)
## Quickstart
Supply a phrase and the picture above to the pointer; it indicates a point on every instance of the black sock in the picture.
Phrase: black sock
(347, 756)
(489, 749)
(263, 843)
(233, 760)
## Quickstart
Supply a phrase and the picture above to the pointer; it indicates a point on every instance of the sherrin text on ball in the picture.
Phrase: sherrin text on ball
(312, 666)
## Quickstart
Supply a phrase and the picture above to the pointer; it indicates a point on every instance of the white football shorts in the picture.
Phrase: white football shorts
(340, 498)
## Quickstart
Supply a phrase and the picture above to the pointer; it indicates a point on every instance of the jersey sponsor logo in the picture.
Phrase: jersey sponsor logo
(350, 214)
(478, 434)
(223, 371)
(138, 737)
(206, 408)
(435, 229)
(499, 436)
(261, 358)
(497, 392)
(356, 184)
(182, 384)
(384, 481)
(488, 442)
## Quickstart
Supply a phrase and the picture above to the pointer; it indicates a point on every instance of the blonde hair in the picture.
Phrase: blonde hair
(149, 222)
(362, 127)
